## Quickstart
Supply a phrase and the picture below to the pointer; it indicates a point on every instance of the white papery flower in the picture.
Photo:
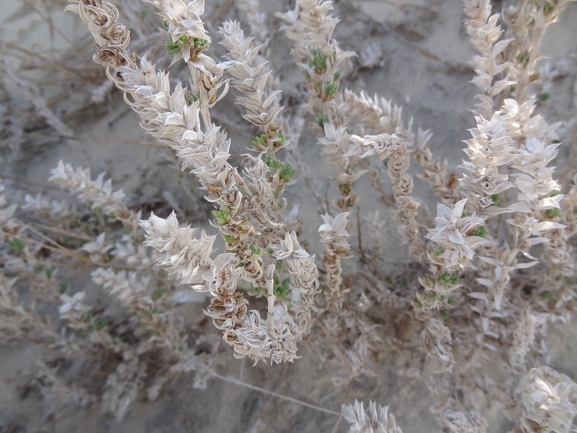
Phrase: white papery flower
(289, 248)
(98, 250)
(548, 401)
(71, 303)
(453, 232)
(183, 19)
(374, 420)
(334, 230)
(184, 256)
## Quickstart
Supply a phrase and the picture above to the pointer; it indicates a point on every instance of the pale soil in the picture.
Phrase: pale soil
(425, 51)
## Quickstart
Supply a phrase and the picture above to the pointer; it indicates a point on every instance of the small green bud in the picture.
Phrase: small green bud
(440, 250)
(330, 90)
(286, 171)
(497, 199)
(280, 139)
(191, 99)
(318, 62)
(256, 251)
(66, 240)
(100, 323)
(272, 163)
(553, 213)
(157, 294)
(260, 141)
(222, 216)
(175, 47)
(17, 245)
(449, 278)
(480, 232)
(200, 43)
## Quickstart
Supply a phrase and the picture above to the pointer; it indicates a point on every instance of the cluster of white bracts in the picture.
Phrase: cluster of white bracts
(454, 233)
(174, 118)
(187, 258)
(376, 419)
(98, 193)
(334, 236)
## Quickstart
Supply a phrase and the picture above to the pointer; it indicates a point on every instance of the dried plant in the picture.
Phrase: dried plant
(459, 314)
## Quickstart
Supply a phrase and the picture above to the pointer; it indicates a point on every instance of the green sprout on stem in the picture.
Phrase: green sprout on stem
(321, 121)
(480, 232)
(497, 199)
(450, 278)
(260, 141)
(287, 171)
(281, 290)
(66, 240)
(222, 216)
(17, 245)
(100, 323)
(158, 294)
(191, 99)
(272, 163)
(523, 58)
(280, 139)
(175, 47)
(318, 62)
(255, 250)
(440, 250)
(200, 43)
(330, 90)
(345, 188)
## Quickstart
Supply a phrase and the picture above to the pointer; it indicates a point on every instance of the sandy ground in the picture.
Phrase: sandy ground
(423, 67)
